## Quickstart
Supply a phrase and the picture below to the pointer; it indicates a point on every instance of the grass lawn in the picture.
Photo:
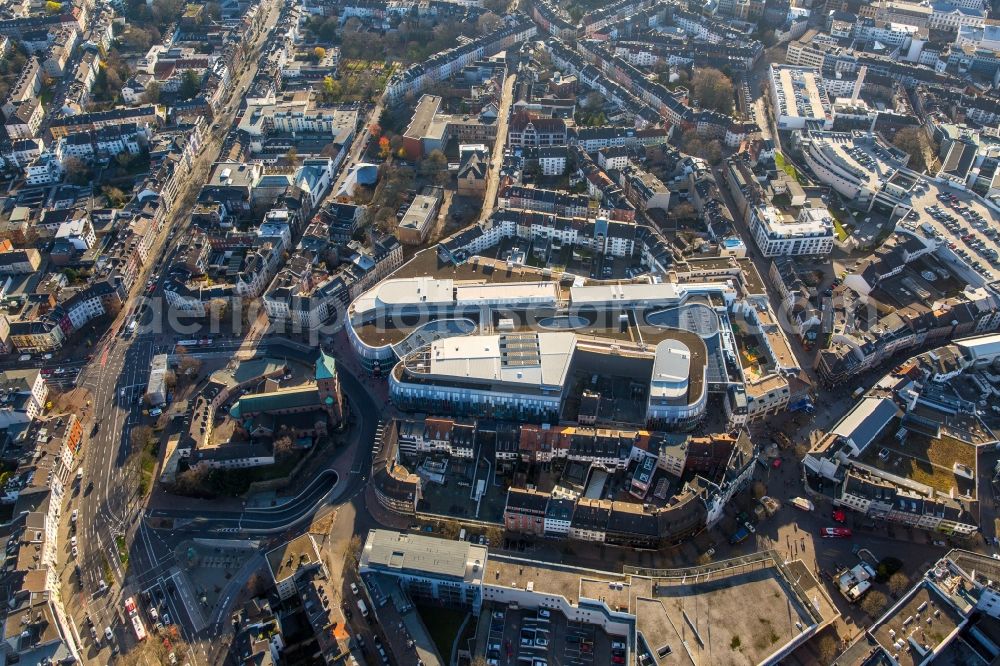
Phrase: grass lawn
(122, 550)
(147, 468)
(925, 460)
(443, 625)
(839, 216)
(106, 568)
(779, 161)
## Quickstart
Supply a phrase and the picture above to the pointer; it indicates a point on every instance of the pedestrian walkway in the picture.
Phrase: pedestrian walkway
(188, 598)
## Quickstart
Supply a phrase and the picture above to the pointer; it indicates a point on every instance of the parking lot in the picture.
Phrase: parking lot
(543, 637)
(962, 222)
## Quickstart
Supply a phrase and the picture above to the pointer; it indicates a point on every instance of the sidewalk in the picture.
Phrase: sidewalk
(383, 516)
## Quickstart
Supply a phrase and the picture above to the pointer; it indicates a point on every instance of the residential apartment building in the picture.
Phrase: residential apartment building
(812, 233)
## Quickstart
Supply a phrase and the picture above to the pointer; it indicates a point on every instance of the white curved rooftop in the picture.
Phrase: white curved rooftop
(428, 291)
(671, 369)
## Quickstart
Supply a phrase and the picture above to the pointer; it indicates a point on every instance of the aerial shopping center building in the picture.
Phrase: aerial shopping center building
(514, 349)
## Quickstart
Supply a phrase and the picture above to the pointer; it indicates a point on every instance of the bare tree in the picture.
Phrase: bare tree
(141, 437)
(192, 481)
(912, 141)
(874, 603)
(188, 366)
(488, 22)
(353, 554)
(899, 583)
(449, 529)
(827, 648)
(713, 90)
(283, 447)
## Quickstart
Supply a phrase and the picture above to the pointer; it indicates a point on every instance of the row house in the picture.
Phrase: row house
(437, 435)
(883, 496)
(525, 130)
(440, 66)
(525, 511)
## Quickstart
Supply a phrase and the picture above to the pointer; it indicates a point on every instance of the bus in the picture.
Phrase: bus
(133, 613)
(201, 342)
(140, 630)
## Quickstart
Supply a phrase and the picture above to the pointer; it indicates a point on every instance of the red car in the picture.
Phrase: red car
(839, 516)
(777, 463)
(836, 533)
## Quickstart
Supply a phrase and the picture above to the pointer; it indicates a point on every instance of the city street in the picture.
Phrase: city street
(116, 379)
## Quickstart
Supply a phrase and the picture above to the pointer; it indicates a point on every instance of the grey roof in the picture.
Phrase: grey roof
(396, 551)
(866, 421)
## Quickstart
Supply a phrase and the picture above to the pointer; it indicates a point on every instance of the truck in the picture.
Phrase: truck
(802, 503)
(363, 608)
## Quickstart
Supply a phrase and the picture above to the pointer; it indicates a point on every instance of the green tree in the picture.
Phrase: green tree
(190, 84)
(713, 90)
(435, 166)
(331, 89)
(213, 12)
(152, 93)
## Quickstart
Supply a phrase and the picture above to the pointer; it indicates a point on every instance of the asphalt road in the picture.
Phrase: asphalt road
(326, 493)
(116, 377)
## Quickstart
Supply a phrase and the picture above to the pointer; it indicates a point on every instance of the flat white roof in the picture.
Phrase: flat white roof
(671, 368)
(430, 291)
(509, 292)
(642, 294)
(803, 94)
(415, 290)
(397, 552)
(811, 222)
(866, 421)
(418, 215)
(482, 358)
(982, 347)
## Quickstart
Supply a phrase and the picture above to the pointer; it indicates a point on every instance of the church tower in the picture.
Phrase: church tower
(328, 386)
